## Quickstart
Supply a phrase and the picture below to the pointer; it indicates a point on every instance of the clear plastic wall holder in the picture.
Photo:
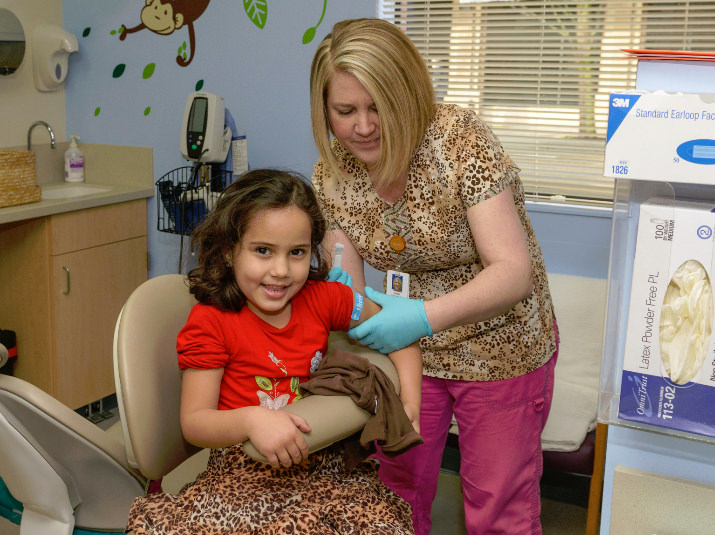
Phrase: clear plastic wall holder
(629, 197)
(51, 47)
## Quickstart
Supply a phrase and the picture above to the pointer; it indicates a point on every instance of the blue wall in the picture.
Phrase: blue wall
(133, 92)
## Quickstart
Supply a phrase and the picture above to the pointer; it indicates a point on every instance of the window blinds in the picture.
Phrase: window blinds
(540, 72)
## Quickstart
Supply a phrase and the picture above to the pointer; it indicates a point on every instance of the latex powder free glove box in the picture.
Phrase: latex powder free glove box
(669, 364)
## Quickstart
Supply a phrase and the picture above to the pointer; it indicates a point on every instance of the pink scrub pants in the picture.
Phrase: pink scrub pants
(500, 424)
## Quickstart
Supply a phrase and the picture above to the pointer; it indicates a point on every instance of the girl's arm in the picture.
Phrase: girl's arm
(276, 434)
(352, 261)
(408, 363)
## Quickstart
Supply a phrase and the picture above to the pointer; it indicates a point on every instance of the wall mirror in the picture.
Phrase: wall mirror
(12, 42)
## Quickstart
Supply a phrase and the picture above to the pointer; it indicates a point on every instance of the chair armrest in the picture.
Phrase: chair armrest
(333, 418)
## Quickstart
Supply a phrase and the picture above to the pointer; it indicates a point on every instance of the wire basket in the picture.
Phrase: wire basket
(186, 195)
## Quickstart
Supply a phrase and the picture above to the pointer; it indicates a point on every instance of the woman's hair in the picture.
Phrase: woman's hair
(390, 67)
(212, 280)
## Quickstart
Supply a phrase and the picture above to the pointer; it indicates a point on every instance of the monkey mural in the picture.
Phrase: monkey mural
(165, 16)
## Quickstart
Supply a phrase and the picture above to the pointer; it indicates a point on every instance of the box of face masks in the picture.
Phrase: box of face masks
(661, 136)
(668, 375)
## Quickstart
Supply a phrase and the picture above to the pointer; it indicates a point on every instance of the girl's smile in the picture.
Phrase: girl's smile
(272, 262)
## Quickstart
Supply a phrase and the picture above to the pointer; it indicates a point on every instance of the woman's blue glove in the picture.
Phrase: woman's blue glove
(338, 275)
(400, 322)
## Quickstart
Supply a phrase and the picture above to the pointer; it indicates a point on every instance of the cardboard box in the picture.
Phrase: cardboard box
(661, 136)
(669, 234)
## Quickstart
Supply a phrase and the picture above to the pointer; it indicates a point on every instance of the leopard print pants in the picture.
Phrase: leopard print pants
(237, 495)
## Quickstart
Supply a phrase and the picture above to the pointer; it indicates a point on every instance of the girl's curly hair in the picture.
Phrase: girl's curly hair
(212, 281)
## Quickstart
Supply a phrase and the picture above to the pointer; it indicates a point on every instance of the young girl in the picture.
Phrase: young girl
(261, 326)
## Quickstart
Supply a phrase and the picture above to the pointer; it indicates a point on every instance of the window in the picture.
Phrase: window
(540, 72)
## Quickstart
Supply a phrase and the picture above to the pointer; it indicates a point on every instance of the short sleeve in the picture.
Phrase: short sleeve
(331, 302)
(485, 170)
(201, 342)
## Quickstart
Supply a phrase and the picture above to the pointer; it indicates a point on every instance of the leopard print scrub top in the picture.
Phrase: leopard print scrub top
(459, 163)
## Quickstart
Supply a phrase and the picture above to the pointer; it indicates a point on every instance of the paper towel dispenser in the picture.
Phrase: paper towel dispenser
(12, 42)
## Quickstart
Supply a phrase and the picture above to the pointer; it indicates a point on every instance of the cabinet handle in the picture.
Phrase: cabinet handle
(67, 270)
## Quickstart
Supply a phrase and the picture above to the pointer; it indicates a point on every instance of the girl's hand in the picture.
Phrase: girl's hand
(277, 435)
(413, 413)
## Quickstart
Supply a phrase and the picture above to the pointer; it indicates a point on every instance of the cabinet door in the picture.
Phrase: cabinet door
(89, 288)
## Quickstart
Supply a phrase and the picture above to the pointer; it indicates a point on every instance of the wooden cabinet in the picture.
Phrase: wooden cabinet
(65, 278)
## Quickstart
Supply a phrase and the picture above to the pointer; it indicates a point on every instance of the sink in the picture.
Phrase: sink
(69, 191)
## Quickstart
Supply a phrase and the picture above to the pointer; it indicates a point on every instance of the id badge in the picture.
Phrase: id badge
(398, 284)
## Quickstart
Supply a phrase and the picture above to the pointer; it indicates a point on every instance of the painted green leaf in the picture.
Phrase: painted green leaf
(147, 110)
(199, 85)
(264, 382)
(86, 31)
(179, 51)
(257, 11)
(118, 70)
(308, 35)
(96, 111)
(148, 70)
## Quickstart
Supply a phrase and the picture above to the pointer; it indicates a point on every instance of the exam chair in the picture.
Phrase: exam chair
(63, 473)
(148, 383)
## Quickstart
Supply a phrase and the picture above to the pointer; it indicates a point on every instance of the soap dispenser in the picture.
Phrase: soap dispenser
(51, 47)
(74, 162)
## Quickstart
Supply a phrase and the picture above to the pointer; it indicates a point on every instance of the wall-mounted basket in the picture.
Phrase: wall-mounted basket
(185, 196)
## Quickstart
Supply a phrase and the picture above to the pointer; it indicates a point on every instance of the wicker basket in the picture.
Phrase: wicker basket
(18, 180)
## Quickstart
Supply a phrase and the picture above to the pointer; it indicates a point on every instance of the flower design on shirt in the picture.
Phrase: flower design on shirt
(268, 395)
(315, 361)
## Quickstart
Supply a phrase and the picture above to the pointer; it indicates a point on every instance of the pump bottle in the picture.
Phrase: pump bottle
(74, 162)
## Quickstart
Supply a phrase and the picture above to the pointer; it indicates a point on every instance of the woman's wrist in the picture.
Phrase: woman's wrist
(430, 313)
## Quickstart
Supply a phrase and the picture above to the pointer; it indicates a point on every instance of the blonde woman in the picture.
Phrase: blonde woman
(426, 191)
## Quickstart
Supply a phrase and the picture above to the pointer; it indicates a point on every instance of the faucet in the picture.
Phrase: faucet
(49, 129)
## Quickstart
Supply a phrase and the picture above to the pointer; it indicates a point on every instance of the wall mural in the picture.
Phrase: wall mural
(310, 32)
(164, 17)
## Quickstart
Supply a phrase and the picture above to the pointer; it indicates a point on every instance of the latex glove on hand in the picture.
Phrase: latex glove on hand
(400, 322)
(338, 275)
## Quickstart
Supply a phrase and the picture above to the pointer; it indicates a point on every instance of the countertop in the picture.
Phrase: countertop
(131, 180)
(112, 194)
